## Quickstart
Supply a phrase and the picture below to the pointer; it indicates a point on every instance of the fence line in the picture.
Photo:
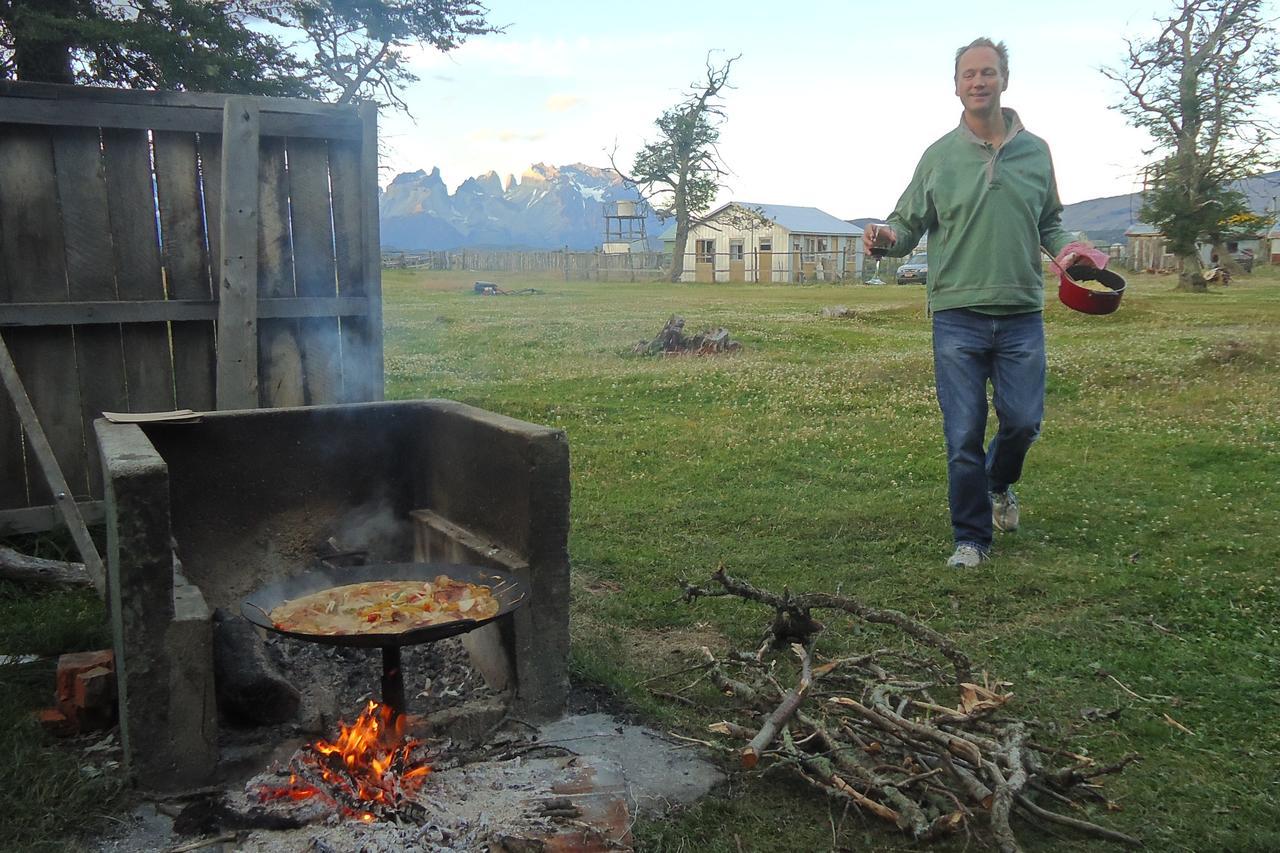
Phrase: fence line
(599, 266)
(781, 266)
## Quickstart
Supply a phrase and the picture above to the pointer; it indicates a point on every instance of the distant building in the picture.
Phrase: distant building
(745, 241)
(1148, 249)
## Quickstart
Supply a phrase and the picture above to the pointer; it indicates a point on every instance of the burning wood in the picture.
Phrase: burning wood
(926, 749)
(370, 770)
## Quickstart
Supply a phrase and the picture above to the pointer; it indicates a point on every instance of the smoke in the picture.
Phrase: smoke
(374, 527)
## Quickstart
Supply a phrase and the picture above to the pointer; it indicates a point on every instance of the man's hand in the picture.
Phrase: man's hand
(1078, 253)
(878, 235)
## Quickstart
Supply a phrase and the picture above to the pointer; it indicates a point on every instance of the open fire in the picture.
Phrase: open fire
(370, 770)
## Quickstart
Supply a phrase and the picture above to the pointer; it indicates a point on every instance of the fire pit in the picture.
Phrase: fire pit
(200, 515)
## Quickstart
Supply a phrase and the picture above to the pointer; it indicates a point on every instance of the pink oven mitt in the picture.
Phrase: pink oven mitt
(1079, 253)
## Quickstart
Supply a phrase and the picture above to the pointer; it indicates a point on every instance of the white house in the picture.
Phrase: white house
(745, 241)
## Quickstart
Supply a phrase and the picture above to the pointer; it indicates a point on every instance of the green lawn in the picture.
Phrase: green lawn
(813, 459)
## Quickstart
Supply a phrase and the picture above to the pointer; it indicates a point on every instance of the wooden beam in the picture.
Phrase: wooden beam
(237, 373)
(170, 310)
(41, 519)
(62, 497)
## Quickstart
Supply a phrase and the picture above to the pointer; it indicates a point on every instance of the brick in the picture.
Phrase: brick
(71, 665)
(95, 689)
(56, 723)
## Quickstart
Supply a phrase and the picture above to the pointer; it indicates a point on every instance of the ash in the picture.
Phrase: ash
(469, 808)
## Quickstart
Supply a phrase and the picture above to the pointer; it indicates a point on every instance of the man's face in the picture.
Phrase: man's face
(979, 81)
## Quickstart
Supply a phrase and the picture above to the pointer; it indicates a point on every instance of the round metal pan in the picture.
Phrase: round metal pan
(506, 588)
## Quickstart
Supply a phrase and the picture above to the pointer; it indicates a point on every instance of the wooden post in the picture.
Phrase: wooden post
(237, 372)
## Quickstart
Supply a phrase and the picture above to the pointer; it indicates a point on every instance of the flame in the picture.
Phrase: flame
(370, 761)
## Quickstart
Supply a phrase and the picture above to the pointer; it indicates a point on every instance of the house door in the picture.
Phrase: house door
(704, 264)
(737, 261)
(764, 260)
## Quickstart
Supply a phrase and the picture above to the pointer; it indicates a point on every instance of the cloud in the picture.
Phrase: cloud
(506, 135)
(562, 103)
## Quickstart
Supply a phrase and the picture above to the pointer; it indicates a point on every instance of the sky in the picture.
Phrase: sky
(832, 102)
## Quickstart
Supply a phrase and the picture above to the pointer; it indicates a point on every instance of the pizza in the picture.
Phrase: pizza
(385, 607)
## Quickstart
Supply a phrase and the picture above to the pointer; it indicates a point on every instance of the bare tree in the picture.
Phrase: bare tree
(1196, 88)
(679, 173)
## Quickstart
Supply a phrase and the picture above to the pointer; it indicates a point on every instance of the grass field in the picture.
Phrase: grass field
(1144, 578)
(814, 459)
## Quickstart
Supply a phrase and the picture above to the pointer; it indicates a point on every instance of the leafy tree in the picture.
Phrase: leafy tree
(679, 173)
(1196, 88)
(337, 50)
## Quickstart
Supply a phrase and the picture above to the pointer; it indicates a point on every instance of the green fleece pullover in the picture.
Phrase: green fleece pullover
(987, 211)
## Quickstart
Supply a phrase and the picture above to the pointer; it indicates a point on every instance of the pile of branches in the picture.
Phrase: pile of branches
(914, 741)
(673, 341)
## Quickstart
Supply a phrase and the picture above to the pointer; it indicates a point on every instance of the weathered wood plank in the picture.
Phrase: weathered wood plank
(23, 314)
(315, 273)
(82, 193)
(147, 360)
(210, 145)
(279, 358)
(186, 265)
(13, 475)
(349, 166)
(237, 373)
(371, 248)
(34, 257)
(344, 181)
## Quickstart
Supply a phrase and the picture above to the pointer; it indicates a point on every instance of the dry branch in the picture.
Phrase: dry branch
(903, 739)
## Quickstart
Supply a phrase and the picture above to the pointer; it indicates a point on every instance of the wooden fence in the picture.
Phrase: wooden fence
(592, 266)
(172, 250)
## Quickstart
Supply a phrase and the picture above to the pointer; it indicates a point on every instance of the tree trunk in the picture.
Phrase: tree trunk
(682, 240)
(41, 50)
(1191, 277)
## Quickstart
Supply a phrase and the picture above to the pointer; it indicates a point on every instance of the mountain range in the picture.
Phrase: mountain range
(549, 207)
(552, 207)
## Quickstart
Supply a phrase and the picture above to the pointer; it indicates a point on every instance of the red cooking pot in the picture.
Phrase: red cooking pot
(1090, 290)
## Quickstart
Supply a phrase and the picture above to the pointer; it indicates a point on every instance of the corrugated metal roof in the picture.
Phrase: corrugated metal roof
(798, 220)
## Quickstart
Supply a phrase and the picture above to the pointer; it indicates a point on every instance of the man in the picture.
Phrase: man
(986, 196)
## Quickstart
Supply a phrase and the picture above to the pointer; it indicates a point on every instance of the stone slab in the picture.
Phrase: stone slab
(659, 772)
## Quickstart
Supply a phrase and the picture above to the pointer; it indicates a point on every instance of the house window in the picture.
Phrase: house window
(766, 244)
(735, 250)
(822, 244)
(706, 251)
(810, 246)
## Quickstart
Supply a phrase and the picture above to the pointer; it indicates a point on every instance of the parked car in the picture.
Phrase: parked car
(915, 270)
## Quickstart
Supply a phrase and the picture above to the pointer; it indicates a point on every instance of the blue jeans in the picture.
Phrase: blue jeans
(970, 348)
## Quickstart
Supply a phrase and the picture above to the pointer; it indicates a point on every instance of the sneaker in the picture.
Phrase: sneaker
(966, 556)
(1004, 511)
